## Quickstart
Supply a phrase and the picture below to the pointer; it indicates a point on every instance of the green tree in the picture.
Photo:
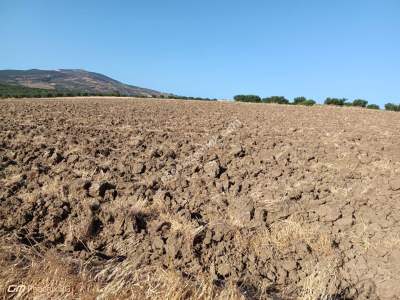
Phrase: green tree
(299, 100)
(303, 101)
(392, 107)
(335, 101)
(308, 102)
(360, 103)
(247, 98)
(276, 99)
(373, 106)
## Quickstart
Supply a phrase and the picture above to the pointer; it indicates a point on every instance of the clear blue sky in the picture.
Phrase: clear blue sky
(210, 48)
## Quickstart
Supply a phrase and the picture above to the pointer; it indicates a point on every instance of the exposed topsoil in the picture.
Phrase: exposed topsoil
(263, 201)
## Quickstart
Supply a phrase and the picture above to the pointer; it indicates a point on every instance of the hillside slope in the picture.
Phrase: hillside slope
(72, 80)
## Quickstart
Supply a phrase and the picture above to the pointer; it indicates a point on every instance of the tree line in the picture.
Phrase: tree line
(274, 99)
(309, 102)
(18, 91)
(172, 96)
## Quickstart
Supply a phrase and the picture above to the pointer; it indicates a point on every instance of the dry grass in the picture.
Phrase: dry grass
(129, 205)
(11, 180)
(53, 187)
(286, 234)
(47, 275)
(322, 283)
(51, 276)
(41, 275)
(153, 282)
(181, 226)
(178, 224)
(283, 238)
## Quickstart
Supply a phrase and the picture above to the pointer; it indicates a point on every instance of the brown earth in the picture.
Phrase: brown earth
(133, 198)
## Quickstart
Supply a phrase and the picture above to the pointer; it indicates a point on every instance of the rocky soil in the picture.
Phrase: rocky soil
(280, 202)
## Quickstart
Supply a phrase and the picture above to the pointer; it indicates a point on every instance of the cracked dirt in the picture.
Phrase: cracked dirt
(262, 201)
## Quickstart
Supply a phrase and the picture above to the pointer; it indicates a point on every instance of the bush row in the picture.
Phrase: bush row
(171, 96)
(310, 102)
(392, 107)
(54, 95)
(356, 102)
(17, 91)
(274, 99)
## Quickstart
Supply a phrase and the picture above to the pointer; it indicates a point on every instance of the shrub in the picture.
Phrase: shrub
(303, 101)
(247, 98)
(276, 99)
(360, 103)
(392, 107)
(373, 106)
(115, 94)
(299, 100)
(308, 102)
(335, 101)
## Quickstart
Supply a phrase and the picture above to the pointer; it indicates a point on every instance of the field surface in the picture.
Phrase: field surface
(157, 199)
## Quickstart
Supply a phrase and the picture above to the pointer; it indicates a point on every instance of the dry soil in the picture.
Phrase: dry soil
(159, 199)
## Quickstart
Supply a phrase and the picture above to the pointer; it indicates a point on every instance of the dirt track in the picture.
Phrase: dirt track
(279, 201)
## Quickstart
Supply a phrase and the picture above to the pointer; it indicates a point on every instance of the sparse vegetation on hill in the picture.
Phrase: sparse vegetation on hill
(18, 91)
(74, 80)
(9, 91)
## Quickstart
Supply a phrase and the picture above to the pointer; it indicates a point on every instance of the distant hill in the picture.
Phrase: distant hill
(74, 81)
